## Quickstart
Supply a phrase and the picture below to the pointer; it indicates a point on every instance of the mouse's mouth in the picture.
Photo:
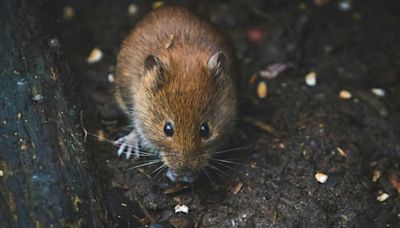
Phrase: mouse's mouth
(186, 176)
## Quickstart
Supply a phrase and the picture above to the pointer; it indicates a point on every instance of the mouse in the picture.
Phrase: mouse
(177, 84)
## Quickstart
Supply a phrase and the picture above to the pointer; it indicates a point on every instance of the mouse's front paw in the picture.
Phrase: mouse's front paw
(128, 144)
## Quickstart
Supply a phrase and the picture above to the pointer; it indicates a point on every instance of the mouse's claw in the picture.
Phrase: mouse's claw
(128, 143)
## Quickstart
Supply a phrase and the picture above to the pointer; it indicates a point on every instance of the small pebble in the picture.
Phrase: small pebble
(379, 92)
(110, 78)
(37, 98)
(68, 13)
(311, 78)
(54, 43)
(262, 89)
(132, 9)
(382, 197)
(1, 173)
(344, 94)
(181, 208)
(95, 55)
(321, 177)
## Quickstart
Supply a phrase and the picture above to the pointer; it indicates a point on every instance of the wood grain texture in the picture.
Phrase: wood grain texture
(44, 179)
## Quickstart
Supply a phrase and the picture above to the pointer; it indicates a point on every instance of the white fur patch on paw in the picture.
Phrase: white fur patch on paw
(129, 145)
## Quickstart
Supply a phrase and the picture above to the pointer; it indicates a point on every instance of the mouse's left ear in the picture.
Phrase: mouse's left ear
(216, 63)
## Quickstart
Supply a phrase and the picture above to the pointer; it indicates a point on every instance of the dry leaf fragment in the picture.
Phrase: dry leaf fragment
(237, 188)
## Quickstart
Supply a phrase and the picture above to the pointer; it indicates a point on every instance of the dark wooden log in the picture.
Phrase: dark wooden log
(44, 179)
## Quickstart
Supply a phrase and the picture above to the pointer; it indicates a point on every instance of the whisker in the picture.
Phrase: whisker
(208, 176)
(160, 171)
(142, 154)
(225, 161)
(226, 166)
(222, 172)
(212, 171)
(144, 164)
(157, 169)
(234, 149)
(221, 161)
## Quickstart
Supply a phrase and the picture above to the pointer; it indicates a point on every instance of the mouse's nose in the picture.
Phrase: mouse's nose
(184, 176)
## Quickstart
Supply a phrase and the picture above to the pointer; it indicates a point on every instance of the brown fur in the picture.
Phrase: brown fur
(185, 93)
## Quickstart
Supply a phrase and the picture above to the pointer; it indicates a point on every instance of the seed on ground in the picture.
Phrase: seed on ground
(181, 208)
(321, 177)
(95, 55)
(262, 89)
(311, 78)
(378, 92)
(382, 197)
(344, 94)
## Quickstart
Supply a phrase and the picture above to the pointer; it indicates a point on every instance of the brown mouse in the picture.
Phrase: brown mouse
(175, 81)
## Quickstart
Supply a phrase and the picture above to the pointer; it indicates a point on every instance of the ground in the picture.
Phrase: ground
(297, 131)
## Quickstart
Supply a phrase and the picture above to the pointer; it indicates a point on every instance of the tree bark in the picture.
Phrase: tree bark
(44, 179)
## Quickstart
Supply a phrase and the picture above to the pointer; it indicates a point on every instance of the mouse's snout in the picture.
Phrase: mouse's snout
(182, 176)
(185, 167)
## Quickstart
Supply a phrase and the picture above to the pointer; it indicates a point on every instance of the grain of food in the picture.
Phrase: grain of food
(376, 175)
(382, 197)
(321, 177)
(378, 92)
(262, 89)
(311, 78)
(341, 152)
(181, 208)
(344, 94)
(95, 55)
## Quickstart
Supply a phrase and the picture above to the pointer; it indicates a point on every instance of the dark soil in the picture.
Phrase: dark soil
(274, 183)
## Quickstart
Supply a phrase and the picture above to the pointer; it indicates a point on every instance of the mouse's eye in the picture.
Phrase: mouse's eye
(168, 129)
(204, 130)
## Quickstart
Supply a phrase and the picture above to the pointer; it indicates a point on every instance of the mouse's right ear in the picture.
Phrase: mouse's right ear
(154, 70)
(152, 62)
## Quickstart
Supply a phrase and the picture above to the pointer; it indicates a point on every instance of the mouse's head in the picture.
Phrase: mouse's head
(186, 108)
